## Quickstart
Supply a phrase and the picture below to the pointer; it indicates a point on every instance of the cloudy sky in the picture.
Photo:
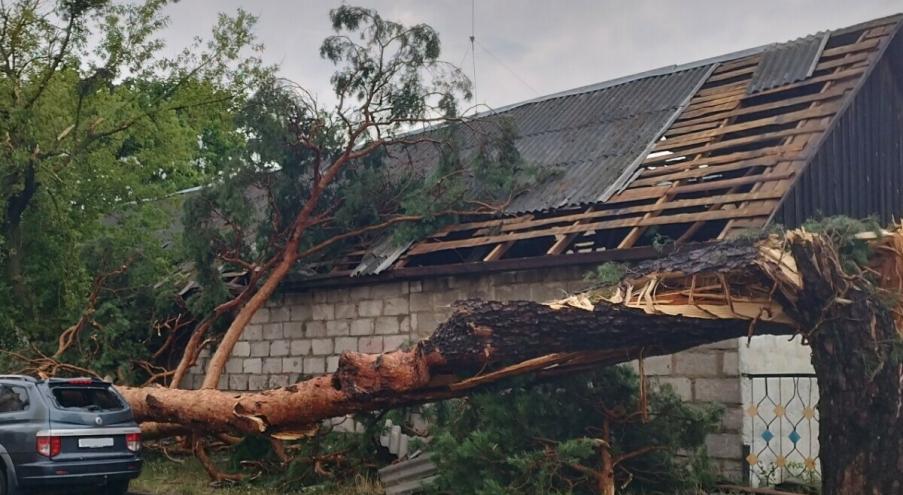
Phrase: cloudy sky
(528, 48)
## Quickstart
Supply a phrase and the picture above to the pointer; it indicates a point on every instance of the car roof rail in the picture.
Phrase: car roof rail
(24, 378)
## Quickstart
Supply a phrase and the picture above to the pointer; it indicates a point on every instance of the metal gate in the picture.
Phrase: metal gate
(780, 428)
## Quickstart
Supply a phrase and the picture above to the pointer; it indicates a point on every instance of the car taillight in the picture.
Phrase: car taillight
(133, 441)
(48, 446)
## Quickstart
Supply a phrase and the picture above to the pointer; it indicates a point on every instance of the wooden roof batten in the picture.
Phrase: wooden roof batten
(722, 166)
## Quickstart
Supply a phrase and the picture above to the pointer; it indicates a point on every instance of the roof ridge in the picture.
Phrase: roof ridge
(674, 68)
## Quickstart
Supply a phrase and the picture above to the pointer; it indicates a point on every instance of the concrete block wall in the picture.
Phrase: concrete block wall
(708, 373)
(302, 334)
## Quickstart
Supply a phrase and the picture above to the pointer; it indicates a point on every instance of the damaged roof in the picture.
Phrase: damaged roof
(681, 154)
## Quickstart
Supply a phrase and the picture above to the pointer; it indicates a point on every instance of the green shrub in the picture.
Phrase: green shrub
(548, 438)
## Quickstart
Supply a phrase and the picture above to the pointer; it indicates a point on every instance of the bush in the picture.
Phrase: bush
(550, 437)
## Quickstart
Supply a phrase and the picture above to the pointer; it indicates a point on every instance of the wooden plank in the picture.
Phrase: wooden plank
(834, 76)
(853, 48)
(811, 129)
(628, 210)
(627, 222)
(784, 151)
(782, 119)
(683, 124)
(696, 173)
(731, 74)
(654, 192)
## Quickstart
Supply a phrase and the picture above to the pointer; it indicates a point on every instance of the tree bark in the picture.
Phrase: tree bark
(851, 328)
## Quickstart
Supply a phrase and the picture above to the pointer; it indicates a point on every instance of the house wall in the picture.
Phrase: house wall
(303, 333)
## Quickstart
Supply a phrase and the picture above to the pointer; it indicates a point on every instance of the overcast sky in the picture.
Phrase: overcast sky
(529, 48)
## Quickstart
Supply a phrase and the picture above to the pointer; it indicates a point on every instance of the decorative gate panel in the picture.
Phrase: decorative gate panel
(780, 428)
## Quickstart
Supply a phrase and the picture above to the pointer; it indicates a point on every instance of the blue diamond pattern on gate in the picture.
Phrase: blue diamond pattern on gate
(767, 435)
(794, 436)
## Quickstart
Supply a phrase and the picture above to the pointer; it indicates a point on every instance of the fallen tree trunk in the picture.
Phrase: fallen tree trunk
(480, 336)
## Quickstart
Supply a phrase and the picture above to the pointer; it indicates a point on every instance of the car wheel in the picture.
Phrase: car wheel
(117, 488)
(4, 484)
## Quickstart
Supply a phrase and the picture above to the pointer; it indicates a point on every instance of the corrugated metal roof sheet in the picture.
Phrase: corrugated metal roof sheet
(785, 63)
(589, 142)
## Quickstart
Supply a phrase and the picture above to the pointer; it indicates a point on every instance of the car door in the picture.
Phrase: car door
(21, 415)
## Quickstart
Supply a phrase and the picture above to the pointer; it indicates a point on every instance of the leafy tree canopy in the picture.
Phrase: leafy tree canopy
(96, 117)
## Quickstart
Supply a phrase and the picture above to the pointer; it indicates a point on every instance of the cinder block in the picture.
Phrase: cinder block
(731, 361)
(301, 312)
(657, 365)
(732, 420)
(314, 366)
(387, 290)
(426, 323)
(276, 300)
(298, 298)
(277, 381)
(238, 382)
(395, 342)
(370, 308)
(323, 311)
(242, 349)
(234, 365)
(252, 365)
(332, 363)
(292, 365)
(315, 329)
(683, 387)
(371, 345)
(359, 293)
(362, 326)
(724, 445)
(258, 382)
(337, 327)
(345, 310)
(321, 347)
(279, 348)
(732, 470)
(261, 316)
(415, 286)
(422, 301)
(395, 306)
(338, 295)
(343, 344)
(697, 364)
(729, 344)
(252, 332)
(280, 313)
(293, 329)
(386, 325)
(260, 349)
(272, 331)
(300, 347)
(223, 381)
(724, 390)
(272, 365)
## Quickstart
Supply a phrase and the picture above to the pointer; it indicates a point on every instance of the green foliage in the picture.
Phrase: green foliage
(607, 274)
(854, 253)
(97, 120)
(526, 437)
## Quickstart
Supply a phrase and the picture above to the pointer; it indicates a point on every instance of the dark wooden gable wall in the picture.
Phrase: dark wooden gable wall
(858, 169)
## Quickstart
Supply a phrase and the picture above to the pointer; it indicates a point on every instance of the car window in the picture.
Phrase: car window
(13, 399)
(92, 399)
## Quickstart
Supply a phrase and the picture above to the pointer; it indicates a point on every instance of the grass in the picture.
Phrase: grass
(164, 477)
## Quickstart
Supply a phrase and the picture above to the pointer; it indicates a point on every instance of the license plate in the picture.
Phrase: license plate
(94, 443)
